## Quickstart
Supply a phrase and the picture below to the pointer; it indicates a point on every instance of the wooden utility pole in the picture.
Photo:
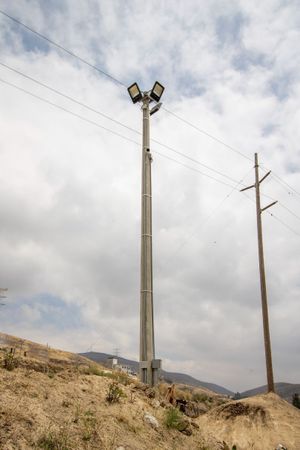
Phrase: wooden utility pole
(2, 290)
(263, 288)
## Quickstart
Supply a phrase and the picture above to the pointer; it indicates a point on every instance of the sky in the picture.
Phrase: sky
(70, 180)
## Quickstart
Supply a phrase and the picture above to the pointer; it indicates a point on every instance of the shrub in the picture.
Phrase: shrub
(10, 362)
(114, 393)
(122, 377)
(173, 418)
(198, 397)
(54, 441)
(93, 370)
(89, 423)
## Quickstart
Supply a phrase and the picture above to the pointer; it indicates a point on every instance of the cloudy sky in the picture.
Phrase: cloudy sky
(70, 186)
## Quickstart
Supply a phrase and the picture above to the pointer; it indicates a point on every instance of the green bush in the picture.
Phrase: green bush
(173, 418)
(93, 370)
(198, 397)
(10, 362)
(114, 393)
(122, 377)
(89, 422)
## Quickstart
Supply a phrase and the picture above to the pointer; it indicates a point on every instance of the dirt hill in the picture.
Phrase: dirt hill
(55, 400)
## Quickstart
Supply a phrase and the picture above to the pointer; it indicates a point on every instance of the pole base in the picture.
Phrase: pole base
(149, 371)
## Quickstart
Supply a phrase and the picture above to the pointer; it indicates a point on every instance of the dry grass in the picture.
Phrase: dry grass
(59, 403)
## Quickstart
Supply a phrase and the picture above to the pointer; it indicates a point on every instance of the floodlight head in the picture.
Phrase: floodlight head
(157, 91)
(135, 93)
(155, 108)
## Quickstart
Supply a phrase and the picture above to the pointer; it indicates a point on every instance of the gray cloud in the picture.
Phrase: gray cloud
(70, 192)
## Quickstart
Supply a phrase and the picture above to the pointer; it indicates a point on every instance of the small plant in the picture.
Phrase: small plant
(10, 362)
(77, 413)
(198, 397)
(173, 418)
(122, 378)
(54, 441)
(114, 393)
(131, 426)
(94, 370)
(89, 422)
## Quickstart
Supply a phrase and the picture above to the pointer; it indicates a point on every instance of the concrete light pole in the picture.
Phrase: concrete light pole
(149, 366)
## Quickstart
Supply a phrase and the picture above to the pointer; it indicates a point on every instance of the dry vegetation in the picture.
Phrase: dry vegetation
(64, 402)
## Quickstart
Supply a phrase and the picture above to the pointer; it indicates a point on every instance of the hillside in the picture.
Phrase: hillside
(258, 423)
(54, 400)
(284, 390)
(171, 377)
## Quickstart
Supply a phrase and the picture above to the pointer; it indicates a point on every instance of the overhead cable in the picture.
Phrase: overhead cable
(116, 121)
(108, 129)
(61, 47)
(120, 83)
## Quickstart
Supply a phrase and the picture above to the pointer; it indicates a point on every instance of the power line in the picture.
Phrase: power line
(115, 121)
(287, 209)
(74, 55)
(84, 61)
(56, 91)
(62, 48)
(109, 130)
(281, 204)
(275, 217)
(284, 183)
(68, 111)
(206, 133)
(193, 169)
(212, 213)
(284, 224)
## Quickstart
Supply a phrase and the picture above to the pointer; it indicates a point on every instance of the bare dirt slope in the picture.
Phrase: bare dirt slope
(54, 400)
(258, 423)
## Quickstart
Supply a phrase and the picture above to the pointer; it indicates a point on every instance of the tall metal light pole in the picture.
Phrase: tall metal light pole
(149, 366)
(262, 274)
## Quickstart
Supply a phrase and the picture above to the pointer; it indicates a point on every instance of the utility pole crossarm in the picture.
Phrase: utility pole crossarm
(246, 188)
(269, 206)
(265, 176)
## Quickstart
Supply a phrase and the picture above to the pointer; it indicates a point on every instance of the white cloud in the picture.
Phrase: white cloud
(70, 192)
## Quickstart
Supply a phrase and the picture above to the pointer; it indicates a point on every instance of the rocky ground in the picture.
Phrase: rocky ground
(62, 402)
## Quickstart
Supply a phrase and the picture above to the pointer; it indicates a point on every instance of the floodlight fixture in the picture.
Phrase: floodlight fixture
(155, 108)
(135, 93)
(157, 91)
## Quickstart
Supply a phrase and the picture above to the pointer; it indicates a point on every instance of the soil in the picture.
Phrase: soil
(55, 400)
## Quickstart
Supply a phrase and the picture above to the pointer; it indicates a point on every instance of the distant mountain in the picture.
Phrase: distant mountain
(172, 377)
(183, 378)
(285, 390)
